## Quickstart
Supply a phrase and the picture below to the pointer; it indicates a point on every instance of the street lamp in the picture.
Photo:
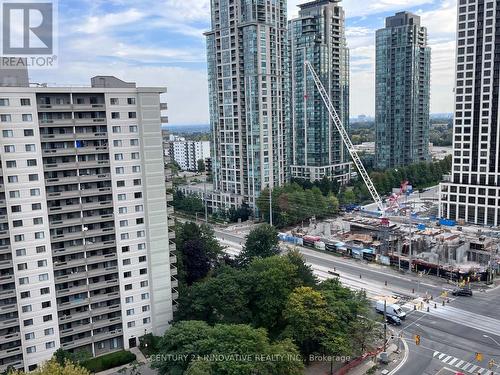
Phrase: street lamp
(492, 339)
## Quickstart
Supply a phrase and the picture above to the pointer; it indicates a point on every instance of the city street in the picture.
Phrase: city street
(450, 335)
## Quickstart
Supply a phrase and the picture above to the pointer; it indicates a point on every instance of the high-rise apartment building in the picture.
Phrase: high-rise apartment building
(318, 35)
(188, 153)
(472, 193)
(402, 92)
(84, 246)
(246, 51)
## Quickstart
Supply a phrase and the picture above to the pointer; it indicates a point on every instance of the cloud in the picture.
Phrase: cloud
(99, 24)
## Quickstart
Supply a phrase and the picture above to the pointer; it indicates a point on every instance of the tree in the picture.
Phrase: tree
(304, 272)
(308, 320)
(195, 260)
(261, 242)
(190, 346)
(52, 367)
(201, 166)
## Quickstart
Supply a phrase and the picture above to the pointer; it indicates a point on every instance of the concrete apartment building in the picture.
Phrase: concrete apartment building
(85, 260)
(318, 36)
(402, 92)
(246, 53)
(472, 192)
(187, 153)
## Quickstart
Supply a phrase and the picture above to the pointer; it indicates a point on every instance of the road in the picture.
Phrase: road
(450, 335)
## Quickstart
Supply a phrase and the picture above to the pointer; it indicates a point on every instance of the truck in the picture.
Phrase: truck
(392, 309)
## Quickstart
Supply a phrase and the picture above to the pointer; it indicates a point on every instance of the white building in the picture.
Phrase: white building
(84, 250)
(472, 193)
(187, 153)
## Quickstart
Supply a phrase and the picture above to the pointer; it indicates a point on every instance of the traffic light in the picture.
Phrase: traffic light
(417, 339)
(479, 357)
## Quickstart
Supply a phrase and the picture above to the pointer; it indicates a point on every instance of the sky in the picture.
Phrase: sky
(161, 43)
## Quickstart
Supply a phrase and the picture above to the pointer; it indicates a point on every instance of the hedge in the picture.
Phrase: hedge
(108, 361)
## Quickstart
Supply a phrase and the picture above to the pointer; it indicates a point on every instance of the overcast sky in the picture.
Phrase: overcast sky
(161, 43)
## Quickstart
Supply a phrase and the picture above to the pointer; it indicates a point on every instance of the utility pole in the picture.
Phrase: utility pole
(270, 206)
(385, 325)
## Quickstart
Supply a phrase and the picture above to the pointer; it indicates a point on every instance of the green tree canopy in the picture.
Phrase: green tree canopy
(262, 242)
(52, 367)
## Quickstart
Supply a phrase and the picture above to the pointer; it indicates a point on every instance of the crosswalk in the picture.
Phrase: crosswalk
(463, 365)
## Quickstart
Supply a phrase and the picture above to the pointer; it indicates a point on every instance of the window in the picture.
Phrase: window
(39, 235)
(114, 101)
(44, 291)
(139, 221)
(47, 318)
(134, 142)
(33, 177)
(25, 295)
(129, 299)
(30, 148)
(139, 208)
(19, 237)
(9, 148)
(29, 336)
(42, 263)
(125, 249)
(11, 164)
(22, 266)
(122, 197)
(120, 183)
(133, 128)
(132, 115)
(120, 170)
(36, 206)
(127, 274)
(124, 236)
(4, 102)
(146, 320)
(28, 322)
(118, 156)
(144, 296)
(130, 312)
(143, 271)
(115, 115)
(135, 155)
(141, 246)
(26, 308)
(29, 133)
(20, 252)
(136, 169)
(144, 284)
(35, 192)
(24, 281)
(15, 209)
(138, 195)
(131, 101)
(12, 179)
(117, 129)
(31, 162)
(128, 286)
(40, 249)
(43, 277)
(25, 102)
(27, 117)
(37, 221)
(50, 345)
(142, 258)
(130, 324)
(140, 233)
(45, 304)
(145, 308)
(31, 349)
(122, 210)
(49, 331)
(17, 223)
(5, 118)
(7, 133)
(117, 143)
(123, 223)
(14, 194)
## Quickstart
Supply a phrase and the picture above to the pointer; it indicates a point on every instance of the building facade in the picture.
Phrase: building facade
(187, 153)
(85, 261)
(402, 92)
(318, 36)
(246, 52)
(472, 192)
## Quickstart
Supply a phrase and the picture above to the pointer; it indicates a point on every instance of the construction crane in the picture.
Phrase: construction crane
(345, 137)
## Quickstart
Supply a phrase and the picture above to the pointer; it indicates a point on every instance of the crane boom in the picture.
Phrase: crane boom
(345, 137)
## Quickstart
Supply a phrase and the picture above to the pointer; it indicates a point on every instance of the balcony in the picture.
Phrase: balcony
(163, 106)
(106, 322)
(71, 277)
(61, 181)
(4, 264)
(11, 352)
(172, 246)
(106, 335)
(175, 294)
(74, 317)
(69, 264)
(8, 308)
(98, 219)
(9, 323)
(56, 122)
(102, 271)
(58, 137)
(105, 297)
(74, 331)
(95, 177)
(63, 195)
(173, 258)
(96, 191)
(103, 284)
(91, 136)
(92, 121)
(89, 107)
(174, 283)
(76, 343)
(164, 119)
(72, 290)
(173, 271)
(106, 309)
(171, 235)
(170, 210)
(73, 304)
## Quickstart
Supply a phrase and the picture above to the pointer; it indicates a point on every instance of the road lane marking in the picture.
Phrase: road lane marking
(467, 365)
(441, 356)
(459, 364)
(453, 361)
(473, 368)
(447, 359)
(435, 354)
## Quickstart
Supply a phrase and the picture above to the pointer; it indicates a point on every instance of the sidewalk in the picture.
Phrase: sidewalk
(374, 366)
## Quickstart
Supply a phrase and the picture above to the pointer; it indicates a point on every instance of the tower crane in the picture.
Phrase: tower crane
(345, 138)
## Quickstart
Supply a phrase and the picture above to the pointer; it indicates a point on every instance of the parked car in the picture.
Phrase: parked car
(467, 292)
(394, 320)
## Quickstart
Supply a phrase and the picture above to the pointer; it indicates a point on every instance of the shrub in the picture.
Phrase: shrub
(108, 361)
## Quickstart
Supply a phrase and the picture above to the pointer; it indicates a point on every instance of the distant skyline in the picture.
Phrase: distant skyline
(161, 43)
